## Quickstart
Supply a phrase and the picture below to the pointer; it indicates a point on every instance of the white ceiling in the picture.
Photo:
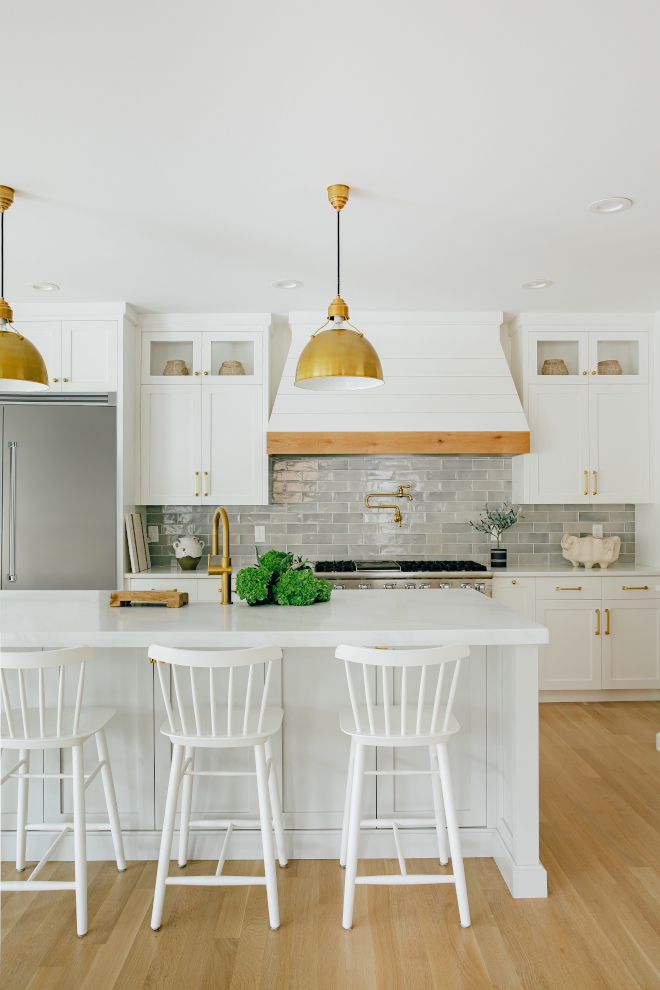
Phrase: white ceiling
(176, 154)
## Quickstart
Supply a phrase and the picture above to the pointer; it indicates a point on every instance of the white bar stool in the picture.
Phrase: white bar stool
(211, 726)
(26, 729)
(419, 724)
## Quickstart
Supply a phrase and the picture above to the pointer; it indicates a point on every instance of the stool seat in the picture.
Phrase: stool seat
(271, 723)
(381, 737)
(92, 720)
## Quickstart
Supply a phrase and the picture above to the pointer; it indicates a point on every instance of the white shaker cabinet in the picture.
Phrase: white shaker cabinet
(89, 356)
(604, 628)
(631, 644)
(203, 445)
(619, 443)
(171, 444)
(517, 594)
(571, 660)
(234, 458)
(589, 427)
(203, 433)
(80, 355)
(559, 441)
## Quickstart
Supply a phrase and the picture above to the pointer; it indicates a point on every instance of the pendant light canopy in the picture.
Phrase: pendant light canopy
(22, 367)
(340, 358)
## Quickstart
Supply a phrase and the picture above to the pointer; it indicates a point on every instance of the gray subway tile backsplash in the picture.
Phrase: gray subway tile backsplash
(317, 509)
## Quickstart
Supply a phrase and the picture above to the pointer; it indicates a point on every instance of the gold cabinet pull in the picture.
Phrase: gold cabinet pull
(513, 582)
(196, 480)
(593, 372)
(586, 483)
(595, 491)
(598, 626)
(643, 587)
(206, 474)
(607, 629)
(197, 372)
(206, 372)
(579, 588)
(584, 372)
(56, 379)
(65, 379)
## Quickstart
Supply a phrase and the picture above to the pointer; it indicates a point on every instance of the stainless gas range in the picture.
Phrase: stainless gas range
(362, 575)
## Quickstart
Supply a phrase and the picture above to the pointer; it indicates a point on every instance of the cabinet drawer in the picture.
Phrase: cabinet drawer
(569, 587)
(211, 591)
(630, 588)
(171, 584)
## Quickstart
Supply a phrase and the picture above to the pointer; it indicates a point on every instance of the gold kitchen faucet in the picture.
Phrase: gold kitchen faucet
(400, 494)
(224, 568)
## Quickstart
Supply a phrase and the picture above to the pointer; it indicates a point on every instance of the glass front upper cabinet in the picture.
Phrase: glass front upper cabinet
(562, 356)
(231, 357)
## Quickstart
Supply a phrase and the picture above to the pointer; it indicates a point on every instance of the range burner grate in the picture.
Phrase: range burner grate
(424, 566)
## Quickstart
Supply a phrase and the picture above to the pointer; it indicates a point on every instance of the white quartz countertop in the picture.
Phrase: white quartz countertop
(377, 618)
(615, 570)
(624, 570)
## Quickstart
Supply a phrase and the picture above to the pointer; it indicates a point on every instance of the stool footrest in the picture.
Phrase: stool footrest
(408, 878)
(224, 881)
(226, 822)
(58, 826)
(399, 822)
(31, 886)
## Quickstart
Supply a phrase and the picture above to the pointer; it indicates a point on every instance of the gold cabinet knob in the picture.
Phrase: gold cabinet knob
(65, 379)
(513, 582)
(206, 372)
(593, 372)
(56, 379)
(197, 372)
(584, 372)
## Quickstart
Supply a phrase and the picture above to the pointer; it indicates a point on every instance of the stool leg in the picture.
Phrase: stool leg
(21, 811)
(440, 824)
(80, 838)
(276, 804)
(454, 838)
(186, 805)
(353, 836)
(347, 806)
(166, 837)
(267, 836)
(111, 800)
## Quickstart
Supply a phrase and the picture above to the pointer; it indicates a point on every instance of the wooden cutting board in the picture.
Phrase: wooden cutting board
(173, 599)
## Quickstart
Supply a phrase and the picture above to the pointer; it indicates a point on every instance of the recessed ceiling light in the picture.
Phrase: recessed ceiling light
(44, 286)
(613, 205)
(287, 283)
(537, 283)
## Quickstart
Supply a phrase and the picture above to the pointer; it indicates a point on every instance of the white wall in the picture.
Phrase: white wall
(647, 517)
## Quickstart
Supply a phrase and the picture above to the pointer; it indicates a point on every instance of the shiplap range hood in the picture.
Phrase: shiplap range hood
(448, 389)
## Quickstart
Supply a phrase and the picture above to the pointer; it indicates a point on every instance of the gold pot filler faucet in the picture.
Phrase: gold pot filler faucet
(400, 494)
(224, 568)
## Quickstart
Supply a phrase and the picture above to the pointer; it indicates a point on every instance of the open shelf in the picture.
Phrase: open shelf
(567, 350)
(162, 351)
(232, 350)
(626, 352)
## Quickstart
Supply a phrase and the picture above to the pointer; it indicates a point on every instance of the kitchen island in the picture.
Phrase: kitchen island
(494, 757)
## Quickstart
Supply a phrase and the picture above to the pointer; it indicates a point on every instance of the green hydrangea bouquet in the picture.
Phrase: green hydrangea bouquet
(281, 579)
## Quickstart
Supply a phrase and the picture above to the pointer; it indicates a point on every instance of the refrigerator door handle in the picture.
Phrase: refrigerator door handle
(11, 576)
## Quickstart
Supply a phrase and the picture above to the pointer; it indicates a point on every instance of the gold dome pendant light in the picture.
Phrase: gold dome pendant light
(22, 367)
(340, 358)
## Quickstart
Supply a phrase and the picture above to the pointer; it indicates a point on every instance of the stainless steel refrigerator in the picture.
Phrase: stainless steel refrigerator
(59, 492)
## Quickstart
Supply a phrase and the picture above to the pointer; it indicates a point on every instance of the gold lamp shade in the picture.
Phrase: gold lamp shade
(22, 367)
(338, 359)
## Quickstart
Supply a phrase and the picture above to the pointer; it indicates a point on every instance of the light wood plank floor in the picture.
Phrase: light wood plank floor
(599, 928)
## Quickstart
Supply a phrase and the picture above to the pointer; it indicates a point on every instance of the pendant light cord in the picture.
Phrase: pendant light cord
(338, 215)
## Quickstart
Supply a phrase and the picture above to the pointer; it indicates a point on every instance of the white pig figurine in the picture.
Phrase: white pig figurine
(590, 550)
